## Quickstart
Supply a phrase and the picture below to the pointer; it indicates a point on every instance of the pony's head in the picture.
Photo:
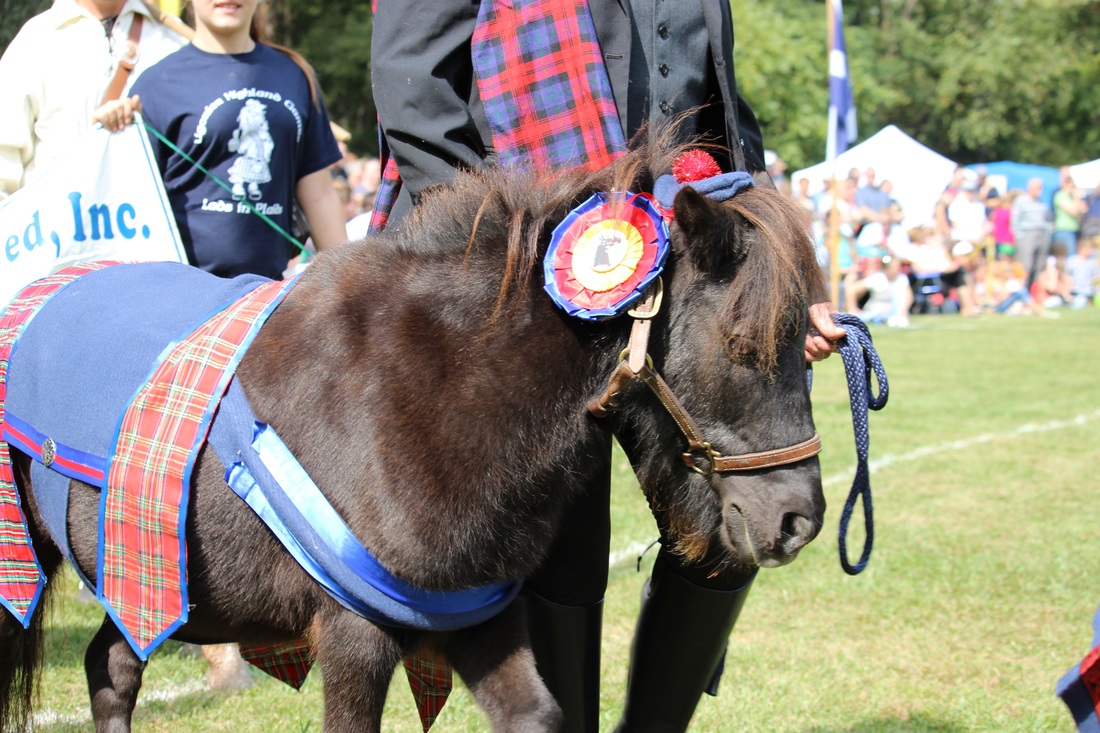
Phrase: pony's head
(729, 342)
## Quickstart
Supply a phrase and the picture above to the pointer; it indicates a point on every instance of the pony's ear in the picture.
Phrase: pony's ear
(696, 214)
(713, 233)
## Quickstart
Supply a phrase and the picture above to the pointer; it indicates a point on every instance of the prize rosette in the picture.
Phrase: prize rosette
(604, 255)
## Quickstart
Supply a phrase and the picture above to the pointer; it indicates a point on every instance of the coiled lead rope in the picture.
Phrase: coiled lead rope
(860, 359)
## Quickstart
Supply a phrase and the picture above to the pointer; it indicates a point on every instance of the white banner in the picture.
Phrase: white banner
(104, 201)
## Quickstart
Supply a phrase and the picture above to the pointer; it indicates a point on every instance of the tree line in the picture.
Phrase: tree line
(975, 81)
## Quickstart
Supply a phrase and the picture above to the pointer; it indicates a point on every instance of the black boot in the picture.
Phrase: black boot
(566, 643)
(679, 648)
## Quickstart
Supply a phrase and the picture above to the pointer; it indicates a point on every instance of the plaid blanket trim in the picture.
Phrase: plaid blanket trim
(142, 563)
(289, 662)
(388, 189)
(430, 679)
(1090, 676)
(21, 578)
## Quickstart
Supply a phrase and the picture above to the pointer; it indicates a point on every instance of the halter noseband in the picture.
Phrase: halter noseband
(635, 363)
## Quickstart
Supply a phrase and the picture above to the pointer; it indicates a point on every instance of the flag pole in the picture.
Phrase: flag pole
(832, 232)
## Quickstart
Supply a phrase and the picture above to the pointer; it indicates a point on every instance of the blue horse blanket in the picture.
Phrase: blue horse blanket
(79, 362)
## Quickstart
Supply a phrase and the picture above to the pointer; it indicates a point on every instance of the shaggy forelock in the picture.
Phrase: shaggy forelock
(764, 306)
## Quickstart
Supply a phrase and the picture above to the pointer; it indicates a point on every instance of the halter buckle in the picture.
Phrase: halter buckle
(704, 452)
(659, 286)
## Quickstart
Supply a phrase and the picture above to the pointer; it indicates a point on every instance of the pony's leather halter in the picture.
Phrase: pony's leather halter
(635, 363)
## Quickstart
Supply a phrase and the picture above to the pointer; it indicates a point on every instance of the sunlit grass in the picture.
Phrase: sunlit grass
(979, 595)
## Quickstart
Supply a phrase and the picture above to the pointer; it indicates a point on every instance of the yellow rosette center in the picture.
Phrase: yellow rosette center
(607, 254)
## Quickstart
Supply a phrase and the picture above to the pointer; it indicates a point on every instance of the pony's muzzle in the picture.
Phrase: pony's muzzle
(767, 524)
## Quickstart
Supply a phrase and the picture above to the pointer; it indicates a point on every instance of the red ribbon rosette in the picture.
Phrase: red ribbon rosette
(605, 254)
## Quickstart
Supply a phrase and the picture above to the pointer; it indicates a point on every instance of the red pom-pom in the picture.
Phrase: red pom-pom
(694, 165)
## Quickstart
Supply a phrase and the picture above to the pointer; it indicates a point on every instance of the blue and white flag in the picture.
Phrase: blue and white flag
(104, 201)
(842, 106)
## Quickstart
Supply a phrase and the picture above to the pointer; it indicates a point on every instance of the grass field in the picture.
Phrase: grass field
(979, 596)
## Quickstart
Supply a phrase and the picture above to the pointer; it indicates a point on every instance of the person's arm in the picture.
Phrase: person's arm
(17, 116)
(1079, 205)
(422, 78)
(321, 205)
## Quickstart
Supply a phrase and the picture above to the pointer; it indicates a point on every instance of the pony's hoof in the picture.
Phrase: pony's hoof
(225, 669)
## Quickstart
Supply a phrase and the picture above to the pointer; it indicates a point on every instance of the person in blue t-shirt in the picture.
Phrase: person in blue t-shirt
(251, 114)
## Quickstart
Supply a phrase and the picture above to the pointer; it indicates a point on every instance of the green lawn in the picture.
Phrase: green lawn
(979, 595)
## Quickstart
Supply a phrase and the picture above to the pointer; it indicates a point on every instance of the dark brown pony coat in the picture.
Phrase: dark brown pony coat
(439, 399)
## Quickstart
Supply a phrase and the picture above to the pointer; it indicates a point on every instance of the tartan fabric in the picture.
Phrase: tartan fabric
(430, 680)
(1090, 677)
(1079, 688)
(21, 579)
(143, 556)
(545, 89)
(289, 663)
(388, 189)
(543, 84)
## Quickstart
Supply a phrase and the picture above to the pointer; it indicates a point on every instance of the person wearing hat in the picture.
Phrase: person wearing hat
(967, 214)
(777, 169)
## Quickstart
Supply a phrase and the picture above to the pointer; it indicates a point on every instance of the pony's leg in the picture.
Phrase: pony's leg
(225, 668)
(114, 678)
(357, 660)
(495, 661)
(21, 650)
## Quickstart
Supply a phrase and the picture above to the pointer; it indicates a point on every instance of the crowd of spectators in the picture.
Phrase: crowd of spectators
(982, 251)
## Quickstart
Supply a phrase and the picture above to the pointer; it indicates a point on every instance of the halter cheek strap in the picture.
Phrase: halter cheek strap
(635, 364)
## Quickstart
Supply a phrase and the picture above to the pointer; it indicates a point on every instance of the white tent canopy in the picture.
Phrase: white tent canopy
(919, 174)
(1086, 175)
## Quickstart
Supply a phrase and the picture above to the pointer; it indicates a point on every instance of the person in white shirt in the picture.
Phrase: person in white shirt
(888, 294)
(56, 72)
(967, 215)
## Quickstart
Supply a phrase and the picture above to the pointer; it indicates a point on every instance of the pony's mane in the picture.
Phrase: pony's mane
(779, 277)
(507, 216)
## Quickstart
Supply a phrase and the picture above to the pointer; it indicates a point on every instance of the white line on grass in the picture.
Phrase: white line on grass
(630, 552)
(634, 549)
(49, 717)
(876, 464)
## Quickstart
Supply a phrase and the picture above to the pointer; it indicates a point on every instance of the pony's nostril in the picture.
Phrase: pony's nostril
(797, 531)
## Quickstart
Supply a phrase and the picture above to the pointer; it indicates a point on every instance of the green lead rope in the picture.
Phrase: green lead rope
(306, 254)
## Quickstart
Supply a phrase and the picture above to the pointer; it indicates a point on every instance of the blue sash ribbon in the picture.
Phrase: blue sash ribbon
(278, 489)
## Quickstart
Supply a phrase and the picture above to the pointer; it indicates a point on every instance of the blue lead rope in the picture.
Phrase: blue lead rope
(860, 360)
